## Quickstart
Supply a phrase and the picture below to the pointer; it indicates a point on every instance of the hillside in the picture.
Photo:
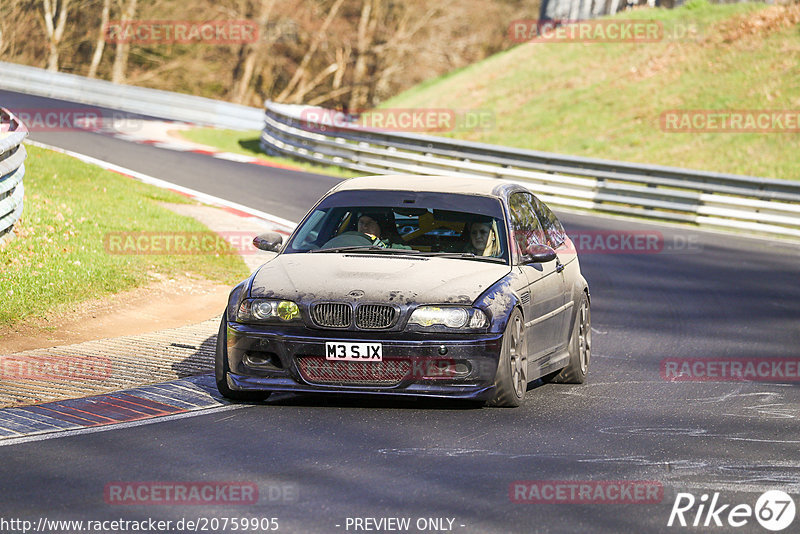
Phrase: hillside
(607, 99)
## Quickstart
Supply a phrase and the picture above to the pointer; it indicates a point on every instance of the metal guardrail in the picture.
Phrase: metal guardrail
(140, 100)
(711, 199)
(12, 169)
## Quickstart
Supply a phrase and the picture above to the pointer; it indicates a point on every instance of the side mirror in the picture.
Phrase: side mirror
(269, 241)
(540, 254)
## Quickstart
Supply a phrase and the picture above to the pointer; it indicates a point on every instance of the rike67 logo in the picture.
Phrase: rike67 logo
(774, 510)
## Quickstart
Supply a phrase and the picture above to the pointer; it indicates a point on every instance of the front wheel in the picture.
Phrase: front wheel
(580, 347)
(221, 370)
(511, 380)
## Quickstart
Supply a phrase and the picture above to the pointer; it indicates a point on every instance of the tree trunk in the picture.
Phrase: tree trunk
(389, 55)
(306, 87)
(55, 21)
(120, 67)
(342, 57)
(358, 96)
(312, 49)
(253, 52)
(100, 45)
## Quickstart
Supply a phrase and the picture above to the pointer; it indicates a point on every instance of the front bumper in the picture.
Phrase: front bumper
(262, 358)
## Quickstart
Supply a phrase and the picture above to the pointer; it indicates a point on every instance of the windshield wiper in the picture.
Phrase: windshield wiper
(368, 248)
(464, 255)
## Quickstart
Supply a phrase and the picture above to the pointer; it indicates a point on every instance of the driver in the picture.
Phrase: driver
(378, 227)
(370, 224)
(375, 227)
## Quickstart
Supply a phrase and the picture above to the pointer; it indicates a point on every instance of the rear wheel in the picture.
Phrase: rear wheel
(580, 347)
(221, 370)
(511, 380)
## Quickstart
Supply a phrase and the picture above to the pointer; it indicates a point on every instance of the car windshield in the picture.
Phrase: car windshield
(393, 222)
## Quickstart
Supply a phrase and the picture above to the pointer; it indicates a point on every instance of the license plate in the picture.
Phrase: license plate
(354, 352)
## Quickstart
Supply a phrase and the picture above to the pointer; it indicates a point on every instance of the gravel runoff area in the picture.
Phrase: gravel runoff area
(101, 366)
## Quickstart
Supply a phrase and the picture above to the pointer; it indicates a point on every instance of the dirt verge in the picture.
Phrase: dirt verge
(164, 303)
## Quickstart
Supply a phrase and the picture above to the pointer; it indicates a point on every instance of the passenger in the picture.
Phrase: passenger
(483, 239)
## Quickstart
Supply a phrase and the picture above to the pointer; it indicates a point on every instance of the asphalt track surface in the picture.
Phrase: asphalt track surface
(705, 295)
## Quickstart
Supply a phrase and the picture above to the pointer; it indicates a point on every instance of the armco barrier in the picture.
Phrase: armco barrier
(12, 169)
(141, 100)
(746, 203)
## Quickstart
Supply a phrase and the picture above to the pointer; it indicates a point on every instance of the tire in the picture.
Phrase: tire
(512, 370)
(221, 370)
(580, 347)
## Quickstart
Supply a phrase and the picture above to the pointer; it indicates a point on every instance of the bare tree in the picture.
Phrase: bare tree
(15, 20)
(120, 67)
(302, 69)
(342, 58)
(100, 44)
(392, 55)
(254, 52)
(306, 86)
(4, 41)
(55, 21)
(367, 23)
(328, 52)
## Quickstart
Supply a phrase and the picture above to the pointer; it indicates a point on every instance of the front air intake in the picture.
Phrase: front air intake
(375, 316)
(332, 315)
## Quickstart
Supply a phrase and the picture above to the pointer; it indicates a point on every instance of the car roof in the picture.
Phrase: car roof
(429, 184)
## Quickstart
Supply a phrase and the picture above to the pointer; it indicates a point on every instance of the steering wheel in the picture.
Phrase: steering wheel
(349, 239)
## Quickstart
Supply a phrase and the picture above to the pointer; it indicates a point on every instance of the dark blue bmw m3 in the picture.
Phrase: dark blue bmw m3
(414, 286)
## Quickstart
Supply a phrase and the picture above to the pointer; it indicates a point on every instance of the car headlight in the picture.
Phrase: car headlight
(267, 310)
(449, 316)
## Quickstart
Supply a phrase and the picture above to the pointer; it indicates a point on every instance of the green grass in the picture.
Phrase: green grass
(247, 143)
(60, 257)
(605, 99)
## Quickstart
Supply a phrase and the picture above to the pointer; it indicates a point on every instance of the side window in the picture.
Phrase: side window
(525, 227)
(552, 226)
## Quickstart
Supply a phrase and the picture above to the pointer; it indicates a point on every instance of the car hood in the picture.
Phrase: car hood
(375, 278)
